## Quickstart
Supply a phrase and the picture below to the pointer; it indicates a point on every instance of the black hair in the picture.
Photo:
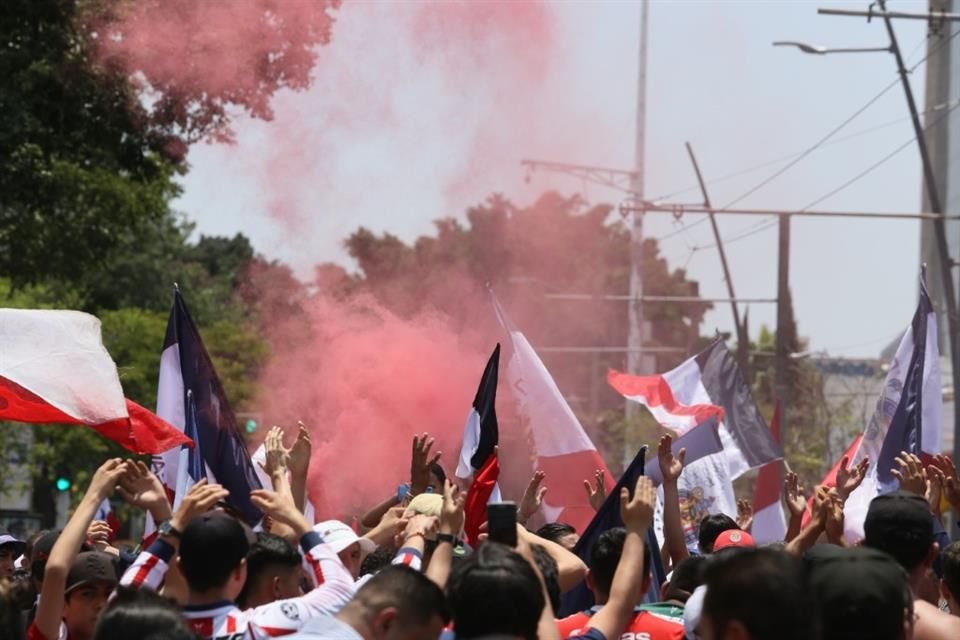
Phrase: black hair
(687, 576)
(11, 603)
(266, 554)
(605, 556)
(141, 613)
(762, 589)
(551, 574)
(555, 531)
(376, 560)
(951, 568)
(415, 597)
(497, 579)
(711, 527)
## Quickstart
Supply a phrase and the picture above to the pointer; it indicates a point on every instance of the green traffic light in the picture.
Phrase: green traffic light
(63, 484)
(251, 426)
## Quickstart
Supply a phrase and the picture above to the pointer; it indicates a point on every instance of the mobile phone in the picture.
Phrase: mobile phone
(502, 522)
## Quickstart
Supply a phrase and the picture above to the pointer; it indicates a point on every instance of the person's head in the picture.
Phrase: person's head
(950, 582)
(140, 613)
(90, 581)
(900, 524)
(858, 594)
(711, 527)
(213, 551)
(39, 553)
(11, 596)
(494, 591)
(11, 548)
(561, 533)
(548, 568)
(346, 544)
(397, 604)
(686, 577)
(437, 478)
(373, 562)
(604, 558)
(273, 572)
(753, 594)
(733, 538)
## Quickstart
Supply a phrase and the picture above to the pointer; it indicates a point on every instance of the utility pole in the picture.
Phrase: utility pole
(782, 357)
(637, 361)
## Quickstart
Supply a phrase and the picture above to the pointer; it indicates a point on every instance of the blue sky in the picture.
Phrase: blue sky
(714, 79)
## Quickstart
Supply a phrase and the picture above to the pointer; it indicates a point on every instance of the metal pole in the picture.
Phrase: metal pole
(678, 209)
(933, 196)
(743, 343)
(782, 357)
(886, 15)
(637, 362)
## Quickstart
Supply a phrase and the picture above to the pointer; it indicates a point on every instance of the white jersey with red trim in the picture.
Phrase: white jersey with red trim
(225, 621)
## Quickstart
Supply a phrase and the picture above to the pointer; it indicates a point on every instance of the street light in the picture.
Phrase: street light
(820, 50)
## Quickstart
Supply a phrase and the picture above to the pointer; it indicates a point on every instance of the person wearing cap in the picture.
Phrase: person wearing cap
(345, 542)
(210, 549)
(858, 593)
(733, 538)
(76, 586)
(11, 548)
(900, 524)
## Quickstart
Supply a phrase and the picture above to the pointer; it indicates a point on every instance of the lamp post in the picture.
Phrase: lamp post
(819, 50)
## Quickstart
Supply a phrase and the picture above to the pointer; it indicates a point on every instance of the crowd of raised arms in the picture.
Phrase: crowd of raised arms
(407, 575)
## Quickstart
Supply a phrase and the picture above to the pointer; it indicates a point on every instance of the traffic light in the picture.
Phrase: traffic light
(251, 425)
(63, 483)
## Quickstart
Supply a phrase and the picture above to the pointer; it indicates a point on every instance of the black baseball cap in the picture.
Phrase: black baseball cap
(900, 524)
(41, 551)
(215, 539)
(857, 593)
(90, 567)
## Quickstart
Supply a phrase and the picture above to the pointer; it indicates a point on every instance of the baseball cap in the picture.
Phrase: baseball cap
(339, 536)
(858, 592)
(215, 539)
(900, 523)
(89, 567)
(428, 504)
(733, 538)
(18, 545)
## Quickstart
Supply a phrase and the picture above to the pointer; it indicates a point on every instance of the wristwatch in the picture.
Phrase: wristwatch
(166, 528)
(447, 537)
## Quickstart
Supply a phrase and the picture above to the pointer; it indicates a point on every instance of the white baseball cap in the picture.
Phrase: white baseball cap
(339, 536)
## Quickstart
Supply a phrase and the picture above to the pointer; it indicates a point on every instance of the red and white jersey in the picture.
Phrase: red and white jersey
(33, 633)
(225, 621)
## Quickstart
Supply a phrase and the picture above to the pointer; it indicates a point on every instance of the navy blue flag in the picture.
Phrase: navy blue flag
(191, 398)
(580, 598)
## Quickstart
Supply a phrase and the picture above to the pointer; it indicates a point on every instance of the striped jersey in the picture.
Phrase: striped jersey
(660, 621)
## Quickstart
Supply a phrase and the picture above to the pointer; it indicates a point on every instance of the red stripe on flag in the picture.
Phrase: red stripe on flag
(477, 497)
(830, 480)
(658, 393)
(770, 477)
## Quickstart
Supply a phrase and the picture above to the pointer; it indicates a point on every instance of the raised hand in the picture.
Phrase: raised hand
(849, 479)
(832, 510)
(950, 481)
(200, 499)
(276, 455)
(670, 466)
(793, 495)
(820, 496)
(451, 514)
(106, 478)
(299, 454)
(935, 488)
(140, 487)
(532, 497)
(911, 474)
(420, 525)
(98, 534)
(597, 493)
(421, 463)
(281, 508)
(637, 513)
(744, 514)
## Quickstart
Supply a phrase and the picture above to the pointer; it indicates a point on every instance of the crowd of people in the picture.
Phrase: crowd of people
(408, 575)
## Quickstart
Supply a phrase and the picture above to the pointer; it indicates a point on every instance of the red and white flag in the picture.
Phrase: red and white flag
(769, 523)
(55, 369)
(564, 451)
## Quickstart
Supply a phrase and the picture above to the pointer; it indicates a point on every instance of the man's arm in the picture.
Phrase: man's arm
(671, 468)
(299, 463)
(570, 568)
(808, 535)
(50, 609)
(796, 505)
(451, 524)
(420, 464)
(627, 587)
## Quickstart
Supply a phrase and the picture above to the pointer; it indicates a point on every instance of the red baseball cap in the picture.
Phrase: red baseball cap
(733, 538)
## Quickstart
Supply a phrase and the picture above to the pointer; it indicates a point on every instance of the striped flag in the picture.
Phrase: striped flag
(190, 396)
(908, 416)
(481, 435)
(564, 450)
(769, 523)
(55, 369)
(706, 388)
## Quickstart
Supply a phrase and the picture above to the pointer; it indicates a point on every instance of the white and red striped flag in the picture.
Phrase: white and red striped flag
(55, 369)
(769, 523)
